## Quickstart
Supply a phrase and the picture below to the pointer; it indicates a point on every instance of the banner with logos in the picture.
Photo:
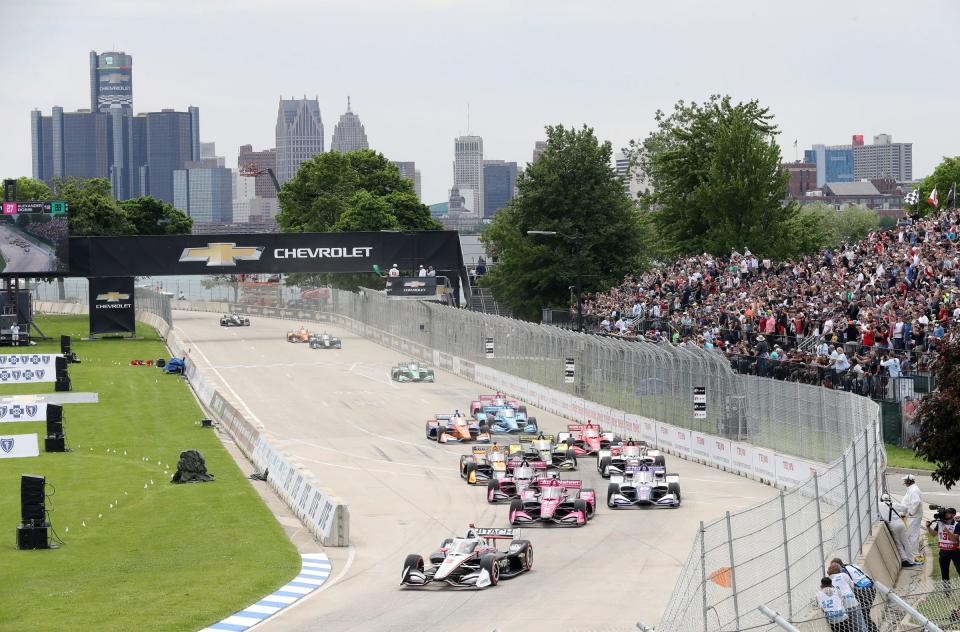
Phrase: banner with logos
(19, 446)
(112, 309)
(28, 360)
(411, 286)
(11, 413)
(28, 375)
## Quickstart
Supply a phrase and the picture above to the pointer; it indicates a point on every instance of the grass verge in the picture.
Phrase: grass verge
(904, 457)
(165, 557)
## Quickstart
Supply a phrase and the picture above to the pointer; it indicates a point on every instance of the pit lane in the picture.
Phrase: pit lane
(338, 413)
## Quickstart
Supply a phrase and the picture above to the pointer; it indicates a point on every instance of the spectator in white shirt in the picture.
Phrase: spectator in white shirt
(394, 271)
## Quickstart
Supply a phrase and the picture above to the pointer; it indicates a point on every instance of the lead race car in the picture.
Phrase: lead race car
(643, 485)
(234, 320)
(411, 372)
(556, 501)
(630, 453)
(456, 428)
(472, 561)
(587, 439)
(298, 335)
(324, 341)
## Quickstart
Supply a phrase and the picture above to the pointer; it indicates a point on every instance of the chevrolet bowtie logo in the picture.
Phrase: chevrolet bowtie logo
(222, 254)
(414, 284)
(112, 297)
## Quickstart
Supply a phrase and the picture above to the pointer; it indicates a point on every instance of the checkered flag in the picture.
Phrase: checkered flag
(912, 198)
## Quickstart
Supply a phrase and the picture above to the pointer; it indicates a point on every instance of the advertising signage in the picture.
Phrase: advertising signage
(34, 238)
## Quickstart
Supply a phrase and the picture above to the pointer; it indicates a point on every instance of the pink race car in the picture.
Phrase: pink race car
(562, 502)
(587, 439)
(520, 475)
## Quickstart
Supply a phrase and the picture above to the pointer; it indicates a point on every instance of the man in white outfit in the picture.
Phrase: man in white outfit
(911, 506)
(898, 529)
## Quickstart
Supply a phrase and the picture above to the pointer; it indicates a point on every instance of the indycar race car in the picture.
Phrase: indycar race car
(456, 428)
(519, 476)
(505, 419)
(643, 485)
(234, 320)
(556, 501)
(473, 561)
(298, 335)
(411, 372)
(486, 462)
(324, 341)
(557, 456)
(587, 439)
(618, 458)
(497, 400)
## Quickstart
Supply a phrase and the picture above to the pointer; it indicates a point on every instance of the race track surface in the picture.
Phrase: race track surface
(38, 259)
(339, 414)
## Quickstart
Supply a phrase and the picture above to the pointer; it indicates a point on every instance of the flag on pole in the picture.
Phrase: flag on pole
(933, 200)
(912, 198)
(952, 196)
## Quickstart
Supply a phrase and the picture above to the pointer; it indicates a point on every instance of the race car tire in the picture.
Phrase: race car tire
(470, 469)
(493, 485)
(571, 455)
(674, 488)
(414, 561)
(660, 461)
(528, 557)
(533, 421)
(612, 489)
(515, 505)
(489, 563)
(591, 508)
(581, 505)
(602, 465)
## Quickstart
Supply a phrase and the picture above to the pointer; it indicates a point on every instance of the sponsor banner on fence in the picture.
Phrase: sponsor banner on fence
(26, 375)
(790, 470)
(19, 446)
(112, 306)
(648, 431)
(700, 445)
(764, 464)
(23, 412)
(664, 435)
(681, 441)
(28, 360)
(741, 457)
(720, 451)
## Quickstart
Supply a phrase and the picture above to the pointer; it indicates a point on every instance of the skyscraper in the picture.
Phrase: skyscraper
(299, 135)
(68, 144)
(499, 185)
(468, 171)
(409, 171)
(111, 81)
(538, 148)
(173, 140)
(262, 160)
(349, 134)
(883, 159)
(204, 191)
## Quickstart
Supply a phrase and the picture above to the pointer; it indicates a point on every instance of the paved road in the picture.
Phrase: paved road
(339, 414)
(39, 259)
(933, 493)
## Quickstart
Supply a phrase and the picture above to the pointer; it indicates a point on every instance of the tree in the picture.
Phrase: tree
(939, 419)
(91, 207)
(150, 216)
(29, 189)
(367, 212)
(820, 225)
(716, 179)
(946, 175)
(571, 189)
(226, 280)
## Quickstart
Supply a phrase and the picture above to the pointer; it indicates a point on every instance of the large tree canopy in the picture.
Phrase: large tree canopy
(716, 178)
(939, 419)
(571, 189)
(945, 176)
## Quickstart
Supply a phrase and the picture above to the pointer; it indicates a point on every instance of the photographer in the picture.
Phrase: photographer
(944, 526)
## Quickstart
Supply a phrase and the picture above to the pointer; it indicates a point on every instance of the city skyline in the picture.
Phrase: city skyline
(542, 79)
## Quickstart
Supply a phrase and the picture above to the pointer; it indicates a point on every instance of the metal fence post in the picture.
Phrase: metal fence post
(846, 509)
(871, 489)
(816, 494)
(856, 496)
(733, 571)
(703, 573)
(786, 554)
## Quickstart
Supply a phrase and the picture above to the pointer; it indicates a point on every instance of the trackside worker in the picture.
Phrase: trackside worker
(911, 506)
(898, 529)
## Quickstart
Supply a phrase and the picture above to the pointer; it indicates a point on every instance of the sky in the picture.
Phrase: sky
(826, 69)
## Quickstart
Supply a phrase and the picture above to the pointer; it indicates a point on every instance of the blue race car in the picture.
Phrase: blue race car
(506, 419)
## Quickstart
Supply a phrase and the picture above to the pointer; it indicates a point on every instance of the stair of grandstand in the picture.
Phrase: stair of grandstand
(483, 301)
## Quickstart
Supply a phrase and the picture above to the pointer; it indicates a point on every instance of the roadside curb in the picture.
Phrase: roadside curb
(314, 572)
(906, 470)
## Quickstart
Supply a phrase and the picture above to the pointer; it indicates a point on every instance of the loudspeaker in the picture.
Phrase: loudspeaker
(63, 384)
(56, 443)
(65, 345)
(33, 537)
(32, 499)
(61, 364)
(54, 419)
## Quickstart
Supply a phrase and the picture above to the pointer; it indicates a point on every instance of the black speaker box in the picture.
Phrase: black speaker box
(54, 419)
(61, 364)
(63, 384)
(33, 537)
(55, 443)
(65, 345)
(32, 498)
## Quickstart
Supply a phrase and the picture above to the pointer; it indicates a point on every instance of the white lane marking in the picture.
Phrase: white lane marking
(325, 403)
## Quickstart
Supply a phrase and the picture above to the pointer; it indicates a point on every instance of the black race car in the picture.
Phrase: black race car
(234, 320)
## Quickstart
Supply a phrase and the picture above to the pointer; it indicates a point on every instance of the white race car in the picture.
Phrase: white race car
(473, 561)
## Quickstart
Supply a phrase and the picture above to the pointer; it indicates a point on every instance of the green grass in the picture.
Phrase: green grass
(166, 557)
(904, 457)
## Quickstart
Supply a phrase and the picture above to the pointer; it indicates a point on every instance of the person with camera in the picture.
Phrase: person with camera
(944, 527)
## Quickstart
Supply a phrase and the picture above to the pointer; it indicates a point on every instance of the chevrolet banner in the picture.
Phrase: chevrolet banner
(411, 286)
(112, 309)
(10, 413)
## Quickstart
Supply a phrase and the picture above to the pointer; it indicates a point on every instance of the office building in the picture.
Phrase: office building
(499, 185)
(260, 161)
(803, 178)
(834, 163)
(468, 171)
(538, 148)
(111, 81)
(208, 151)
(883, 159)
(349, 135)
(299, 135)
(204, 192)
(244, 191)
(70, 144)
(129, 153)
(409, 171)
(173, 140)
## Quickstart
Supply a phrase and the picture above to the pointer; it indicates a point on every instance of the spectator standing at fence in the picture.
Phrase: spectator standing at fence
(422, 272)
(947, 541)
(831, 603)
(431, 272)
(394, 271)
(898, 529)
(911, 506)
(863, 590)
(844, 585)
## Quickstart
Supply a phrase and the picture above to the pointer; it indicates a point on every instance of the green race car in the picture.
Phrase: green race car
(411, 372)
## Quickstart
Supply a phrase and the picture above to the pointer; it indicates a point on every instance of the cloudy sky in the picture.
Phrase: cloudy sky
(827, 69)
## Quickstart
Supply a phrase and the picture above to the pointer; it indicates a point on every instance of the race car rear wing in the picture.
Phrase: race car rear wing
(655, 469)
(530, 438)
(562, 482)
(537, 465)
(493, 533)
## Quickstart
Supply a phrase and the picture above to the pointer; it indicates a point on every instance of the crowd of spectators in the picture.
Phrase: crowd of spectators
(876, 308)
(52, 231)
